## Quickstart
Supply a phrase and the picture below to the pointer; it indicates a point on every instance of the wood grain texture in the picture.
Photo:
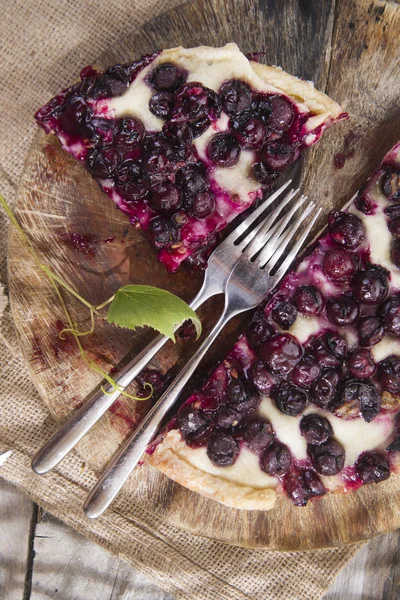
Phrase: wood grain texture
(313, 39)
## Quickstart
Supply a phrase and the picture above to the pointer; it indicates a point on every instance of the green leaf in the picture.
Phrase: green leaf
(138, 305)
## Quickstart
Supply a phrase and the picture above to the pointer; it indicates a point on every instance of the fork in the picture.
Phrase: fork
(220, 265)
(251, 278)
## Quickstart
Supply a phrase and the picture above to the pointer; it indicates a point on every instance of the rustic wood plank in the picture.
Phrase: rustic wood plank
(70, 567)
(17, 521)
(373, 573)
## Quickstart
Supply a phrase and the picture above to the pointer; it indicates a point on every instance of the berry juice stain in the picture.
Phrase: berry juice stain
(340, 158)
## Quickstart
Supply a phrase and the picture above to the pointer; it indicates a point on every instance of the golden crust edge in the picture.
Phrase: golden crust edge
(167, 458)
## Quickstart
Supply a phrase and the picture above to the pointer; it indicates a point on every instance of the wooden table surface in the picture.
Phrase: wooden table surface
(42, 559)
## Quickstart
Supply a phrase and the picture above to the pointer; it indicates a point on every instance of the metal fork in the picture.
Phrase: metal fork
(220, 265)
(252, 276)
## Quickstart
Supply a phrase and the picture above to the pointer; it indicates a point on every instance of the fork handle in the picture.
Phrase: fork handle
(82, 420)
(127, 457)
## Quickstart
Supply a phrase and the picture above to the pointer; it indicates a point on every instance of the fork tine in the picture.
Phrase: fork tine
(273, 254)
(297, 247)
(242, 228)
(259, 240)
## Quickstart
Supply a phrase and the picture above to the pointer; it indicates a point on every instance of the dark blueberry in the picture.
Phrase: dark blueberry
(309, 300)
(289, 399)
(222, 449)
(392, 211)
(339, 264)
(391, 185)
(389, 373)
(364, 203)
(200, 205)
(313, 483)
(129, 134)
(361, 363)
(323, 355)
(277, 155)
(104, 131)
(75, 118)
(281, 353)
(389, 312)
(328, 458)
(198, 104)
(315, 429)
(103, 163)
(228, 417)
(284, 314)
(394, 227)
(128, 172)
(193, 423)
(120, 72)
(157, 380)
(296, 489)
(241, 396)
(178, 131)
(192, 179)
(372, 467)
(358, 393)
(276, 460)
(395, 253)
(235, 96)
(346, 229)
(258, 434)
(224, 150)
(394, 446)
(160, 104)
(167, 77)
(262, 378)
(264, 175)
(199, 126)
(162, 232)
(371, 286)
(250, 132)
(324, 389)
(306, 372)
(281, 115)
(165, 198)
(217, 383)
(262, 106)
(129, 182)
(342, 310)
(336, 344)
(108, 85)
(258, 330)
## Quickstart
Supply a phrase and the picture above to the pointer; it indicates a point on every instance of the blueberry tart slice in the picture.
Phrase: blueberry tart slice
(184, 140)
(308, 400)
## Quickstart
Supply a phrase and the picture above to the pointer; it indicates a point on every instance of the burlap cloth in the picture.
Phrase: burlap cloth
(43, 45)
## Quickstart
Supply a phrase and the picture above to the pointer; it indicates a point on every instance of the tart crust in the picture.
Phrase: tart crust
(171, 458)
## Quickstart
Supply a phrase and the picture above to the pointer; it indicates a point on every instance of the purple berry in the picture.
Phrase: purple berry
(284, 314)
(228, 417)
(364, 203)
(200, 205)
(129, 181)
(281, 113)
(309, 300)
(371, 286)
(394, 227)
(258, 434)
(198, 104)
(103, 163)
(224, 150)
(362, 393)
(339, 264)
(258, 330)
(237, 392)
(315, 429)
(178, 131)
(313, 483)
(394, 446)
(395, 253)
(264, 175)
(167, 77)
(327, 458)
(193, 424)
(346, 229)
(392, 211)
(324, 389)
(222, 449)
(129, 134)
(235, 96)
(306, 372)
(165, 198)
(289, 399)
(361, 363)
(372, 467)
(277, 155)
(281, 353)
(323, 355)
(75, 118)
(391, 185)
(192, 179)
(262, 378)
(162, 232)
(296, 489)
(160, 104)
(370, 331)
(389, 374)
(389, 312)
(276, 460)
(250, 132)
(336, 344)
(342, 310)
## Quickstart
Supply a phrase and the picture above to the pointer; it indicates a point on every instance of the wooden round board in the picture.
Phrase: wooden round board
(348, 49)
